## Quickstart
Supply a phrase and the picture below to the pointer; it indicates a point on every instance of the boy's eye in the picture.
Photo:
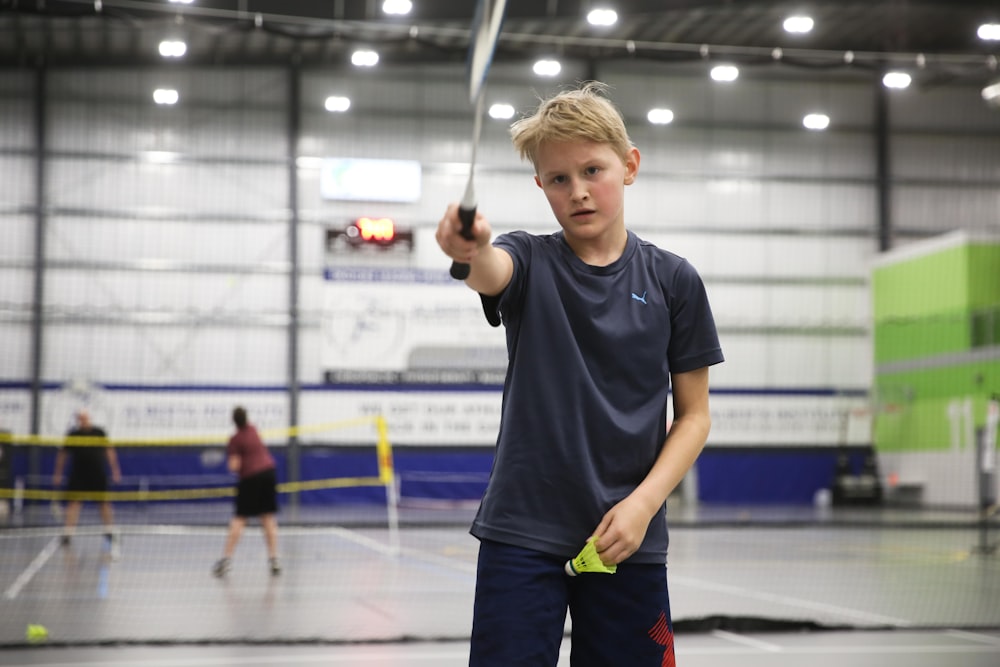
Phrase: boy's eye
(558, 179)
(592, 170)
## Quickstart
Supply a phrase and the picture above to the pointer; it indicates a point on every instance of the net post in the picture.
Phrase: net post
(143, 496)
(18, 500)
(986, 465)
(387, 476)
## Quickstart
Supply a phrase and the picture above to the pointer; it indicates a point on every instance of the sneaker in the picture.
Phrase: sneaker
(275, 566)
(221, 567)
(114, 544)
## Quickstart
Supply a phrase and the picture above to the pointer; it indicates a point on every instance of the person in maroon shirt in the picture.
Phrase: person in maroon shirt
(256, 491)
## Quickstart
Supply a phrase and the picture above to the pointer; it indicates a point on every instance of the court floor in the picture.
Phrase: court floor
(833, 649)
(751, 587)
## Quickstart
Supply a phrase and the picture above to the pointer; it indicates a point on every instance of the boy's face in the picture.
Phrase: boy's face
(585, 185)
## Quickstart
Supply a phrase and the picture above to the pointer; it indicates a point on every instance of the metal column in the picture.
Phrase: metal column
(38, 296)
(294, 110)
(883, 169)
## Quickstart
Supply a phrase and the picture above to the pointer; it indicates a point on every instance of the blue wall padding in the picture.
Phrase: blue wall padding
(725, 476)
(761, 476)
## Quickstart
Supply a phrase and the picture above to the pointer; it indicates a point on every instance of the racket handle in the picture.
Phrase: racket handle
(460, 270)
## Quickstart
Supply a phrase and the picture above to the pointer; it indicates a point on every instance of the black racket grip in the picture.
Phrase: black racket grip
(460, 270)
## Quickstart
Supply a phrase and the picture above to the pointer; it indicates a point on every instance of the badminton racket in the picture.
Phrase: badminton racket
(482, 44)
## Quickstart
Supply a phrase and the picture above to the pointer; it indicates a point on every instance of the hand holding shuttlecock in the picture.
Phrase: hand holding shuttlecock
(588, 561)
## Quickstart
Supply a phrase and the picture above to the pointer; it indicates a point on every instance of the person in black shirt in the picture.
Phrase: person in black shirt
(90, 461)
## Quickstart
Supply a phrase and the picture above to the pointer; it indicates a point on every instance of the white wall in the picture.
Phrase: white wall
(176, 273)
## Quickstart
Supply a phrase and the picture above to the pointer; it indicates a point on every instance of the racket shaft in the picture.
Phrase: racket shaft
(485, 34)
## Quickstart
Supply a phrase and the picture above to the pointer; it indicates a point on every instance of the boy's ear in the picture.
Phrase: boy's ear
(538, 181)
(631, 165)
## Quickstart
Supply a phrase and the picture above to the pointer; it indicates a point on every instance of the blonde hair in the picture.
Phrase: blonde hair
(580, 114)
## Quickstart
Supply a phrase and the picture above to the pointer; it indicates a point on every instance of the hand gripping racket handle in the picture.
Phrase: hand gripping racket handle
(460, 270)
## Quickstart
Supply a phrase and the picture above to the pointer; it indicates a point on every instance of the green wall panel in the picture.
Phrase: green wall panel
(916, 338)
(921, 306)
(922, 287)
(984, 276)
(936, 332)
(917, 408)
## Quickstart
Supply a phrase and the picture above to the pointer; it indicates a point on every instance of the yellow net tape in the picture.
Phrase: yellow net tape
(185, 494)
(383, 448)
(196, 441)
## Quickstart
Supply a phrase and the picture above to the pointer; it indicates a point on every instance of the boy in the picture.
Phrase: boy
(599, 324)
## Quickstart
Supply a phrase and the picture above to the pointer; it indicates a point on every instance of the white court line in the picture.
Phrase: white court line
(29, 572)
(354, 656)
(891, 649)
(388, 550)
(325, 658)
(747, 641)
(974, 637)
(793, 602)
(361, 540)
(444, 561)
(344, 533)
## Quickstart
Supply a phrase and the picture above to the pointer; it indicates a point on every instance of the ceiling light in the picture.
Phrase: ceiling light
(602, 16)
(816, 121)
(989, 32)
(798, 24)
(173, 48)
(501, 111)
(364, 58)
(337, 103)
(397, 7)
(181, 2)
(897, 80)
(160, 157)
(165, 96)
(660, 116)
(725, 73)
(991, 94)
(547, 67)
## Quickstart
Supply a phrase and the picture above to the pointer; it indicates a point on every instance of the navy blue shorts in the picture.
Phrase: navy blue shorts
(522, 597)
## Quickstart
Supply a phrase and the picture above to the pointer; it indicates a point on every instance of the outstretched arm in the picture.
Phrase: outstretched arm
(116, 471)
(623, 528)
(490, 268)
(57, 473)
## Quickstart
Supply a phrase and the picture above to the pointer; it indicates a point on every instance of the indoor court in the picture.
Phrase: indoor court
(212, 204)
(773, 589)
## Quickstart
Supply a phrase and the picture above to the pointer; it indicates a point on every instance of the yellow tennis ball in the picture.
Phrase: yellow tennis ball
(36, 633)
(588, 561)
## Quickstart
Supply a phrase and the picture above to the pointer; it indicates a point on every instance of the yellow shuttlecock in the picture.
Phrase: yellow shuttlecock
(588, 561)
(36, 633)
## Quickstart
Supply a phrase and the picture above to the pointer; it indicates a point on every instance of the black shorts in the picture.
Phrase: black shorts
(87, 478)
(257, 494)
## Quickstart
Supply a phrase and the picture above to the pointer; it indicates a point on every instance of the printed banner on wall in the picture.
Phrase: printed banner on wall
(415, 417)
(406, 326)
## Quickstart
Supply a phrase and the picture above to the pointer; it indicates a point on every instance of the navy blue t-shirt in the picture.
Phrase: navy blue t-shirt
(590, 353)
